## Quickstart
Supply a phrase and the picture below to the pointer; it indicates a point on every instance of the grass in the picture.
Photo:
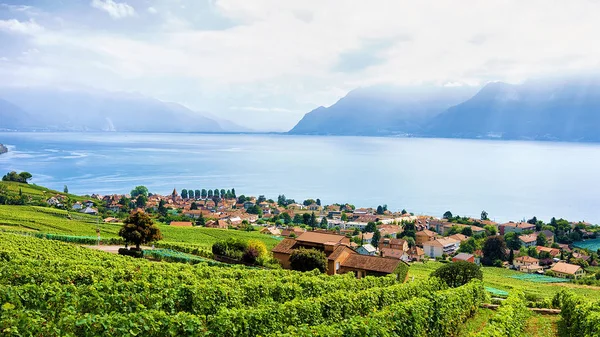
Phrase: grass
(35, 192)
(542, 326)
(502, 279)
(56, 221)
(477, 323)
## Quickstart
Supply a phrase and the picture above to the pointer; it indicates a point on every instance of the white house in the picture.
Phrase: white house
(439, 247)
(90, 211)
(77, 206)
(367, 249)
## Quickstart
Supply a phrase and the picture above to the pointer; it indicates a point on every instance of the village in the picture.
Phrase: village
(365, 241)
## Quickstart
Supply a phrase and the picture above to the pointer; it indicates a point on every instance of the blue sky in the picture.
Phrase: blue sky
(264, 63)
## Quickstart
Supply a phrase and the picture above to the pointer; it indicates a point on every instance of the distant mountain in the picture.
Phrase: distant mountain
(382, 110)
(564, 110)
(11, 116)
(75, 110)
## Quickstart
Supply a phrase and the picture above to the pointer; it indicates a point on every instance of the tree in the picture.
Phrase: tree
(410, 241)
(216, 192)
(318, 201)
(484, 215)
(468, 246)
(139, 229)
(541, 240)
(298, 218)
(512, 240)
(344, 216)
(404, 212)
(308, 259)
(305, 218)
(308, 202)
(323, 222)
(139, 190)
(22, 177)
(255, 209)
(184, 193)
(409, 230)
(286, 218)
(200, 221)
(162, 210)
(66, 189)
(458, 273)
(141, 201)
(197, 194)
(222, 193)
(379, 210)
(312, 222)
(490, 230)
(468, 231)
(376, 238)
(511, 256)
(371, 227)
(261, 198)
(210, 194)
(447, 215)
(494, 248)
(204, 194)
(193, 206)
(233, 193)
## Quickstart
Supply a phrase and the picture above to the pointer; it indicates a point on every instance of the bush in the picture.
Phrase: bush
(131, 252)
(458, 273)
(510, 318)
(308, 259)
(250, 255)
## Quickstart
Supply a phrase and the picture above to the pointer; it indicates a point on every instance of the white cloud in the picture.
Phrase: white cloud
(261, 109)
(116, 10)
(20, 27)
(152, 10)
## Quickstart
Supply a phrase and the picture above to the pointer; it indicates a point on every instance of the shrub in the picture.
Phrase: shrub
(250, 255)
(510, 318)
(458, 273)
(308, 259)
(131, 252)
(258, 246)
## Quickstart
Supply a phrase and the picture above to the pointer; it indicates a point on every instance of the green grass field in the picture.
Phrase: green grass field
(56, 221)
(35, 192)
(477, 323)
(503, 279)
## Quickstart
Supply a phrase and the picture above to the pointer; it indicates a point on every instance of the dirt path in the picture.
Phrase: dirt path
(111, 249)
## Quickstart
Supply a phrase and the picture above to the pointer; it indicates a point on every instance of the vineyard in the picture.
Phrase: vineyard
(51, 288)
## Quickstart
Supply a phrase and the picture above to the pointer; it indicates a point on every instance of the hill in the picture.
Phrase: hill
(382, 110)
(78, 110)
(564, 110)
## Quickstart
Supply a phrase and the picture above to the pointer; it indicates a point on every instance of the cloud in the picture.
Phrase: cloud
(152, 10)
(261, 109)
(20, 27)
(116, 10)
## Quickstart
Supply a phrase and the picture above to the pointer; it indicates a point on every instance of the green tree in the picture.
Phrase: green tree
(323, 223)
(541, 240)
(22, 177)
(184, 193)
(468, 231)
(204, 194)
(458, 273)
(197, 194)
(511, 256)
(490, 230)
(66, 189)
(255, 209)
(312, 222)
(371, 227)
(298, 218)
(216, 193)
(447, 215)
(287, 219)
(468, 246)
(261, 198)
(494, 248)
(233, 193)
(308, 202)
(376, 238)
(404, 212)
(162, 210)
(409, 230)
(308, 259)
(139, 190)
(318, 201)
(344, 216)
(200, 221)
(139, 229)
(512, 240)
(222, 193)
(305, 218)
(484, 215)
(379, 210)
(141, 201)
(194, 206)
(210, 194)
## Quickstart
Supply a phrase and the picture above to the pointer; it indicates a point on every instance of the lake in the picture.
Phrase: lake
(510, 180)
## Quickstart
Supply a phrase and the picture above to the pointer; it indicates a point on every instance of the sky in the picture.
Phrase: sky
(265, 63)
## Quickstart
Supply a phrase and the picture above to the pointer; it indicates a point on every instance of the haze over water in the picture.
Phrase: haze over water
(510, 180)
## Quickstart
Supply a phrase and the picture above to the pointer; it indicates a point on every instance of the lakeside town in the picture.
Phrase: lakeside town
(366, 241)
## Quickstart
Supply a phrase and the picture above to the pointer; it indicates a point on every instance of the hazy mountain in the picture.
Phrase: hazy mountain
(74, 110)
(11, 116)
(382, 110)
(567, 110)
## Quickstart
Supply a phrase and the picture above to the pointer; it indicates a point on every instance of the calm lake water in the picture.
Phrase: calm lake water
(510, 180)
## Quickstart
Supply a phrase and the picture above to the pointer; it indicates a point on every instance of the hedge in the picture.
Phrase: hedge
(509, 320)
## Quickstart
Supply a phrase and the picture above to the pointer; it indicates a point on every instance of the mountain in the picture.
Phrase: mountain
(564, 110)
(382, 110)
(85, 110)
(11, 116)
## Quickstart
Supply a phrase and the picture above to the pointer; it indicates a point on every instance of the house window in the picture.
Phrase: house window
(337, 266)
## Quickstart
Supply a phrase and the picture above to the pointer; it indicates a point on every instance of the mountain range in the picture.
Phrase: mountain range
(45, 109)
(558, 109)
